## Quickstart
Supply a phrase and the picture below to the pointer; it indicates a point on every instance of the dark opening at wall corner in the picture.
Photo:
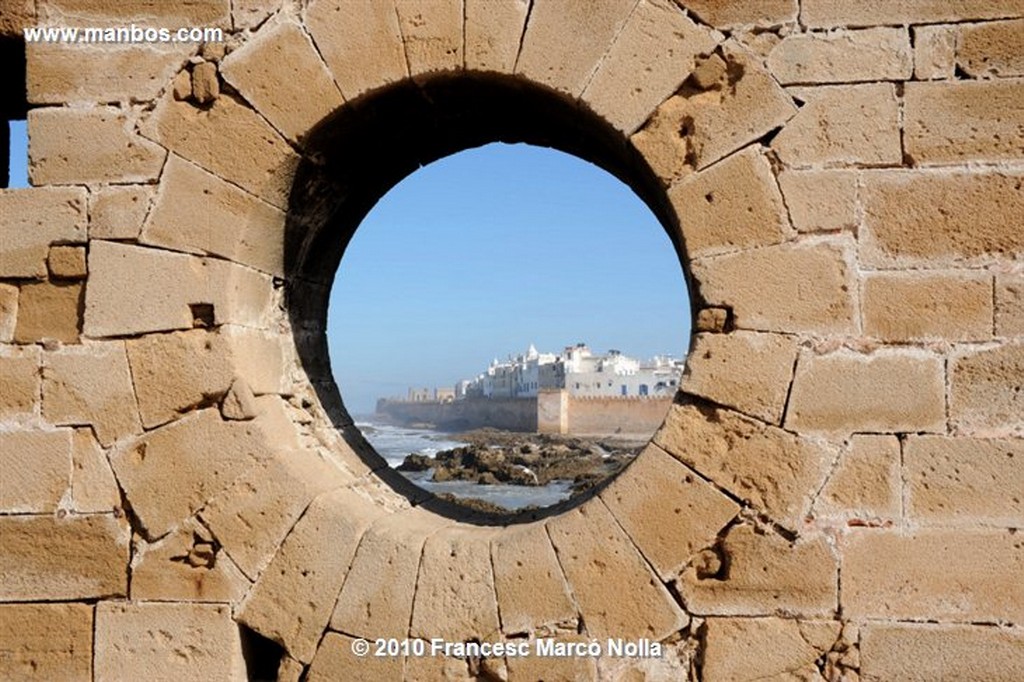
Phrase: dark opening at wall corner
(13, 97)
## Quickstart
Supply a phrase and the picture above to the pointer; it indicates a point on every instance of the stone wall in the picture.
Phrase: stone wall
(511, 414)
(626, 416)
(836, 493)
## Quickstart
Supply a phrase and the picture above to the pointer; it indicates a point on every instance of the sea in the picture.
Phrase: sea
(395, 443)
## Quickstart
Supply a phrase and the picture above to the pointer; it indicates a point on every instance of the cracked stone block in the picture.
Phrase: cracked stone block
(772, 647)
(334, 660)
(820, 200)
(743, 13)
(433, 35)
(36, 468)
(922, 652)
(934, 52)
(493, 29)
(1010, 305)
(843, 56)
(49, 310)
(19, 381)
(986, 395)
(148, 12)
(554, 669)
(832, 13)
(913, 306)
(33, 218)
(117, 212)
(866, 484)
(992, 49)
(46, 642)
(93, 487)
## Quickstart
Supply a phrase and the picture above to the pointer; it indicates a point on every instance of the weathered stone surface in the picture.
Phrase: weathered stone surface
(564, 41)
(711, 320)
(93, 488)
(8, 312)
(49, 310)
(239, 403)
(252, 13)
(554, 669)
(36, 468)
(361, 42)
(986, 395)
(928, 219)
(292, 601)
(655, 51)
(32, 219)
(17, 15)
(772, 469)
(787, 288)
(117, 212)
(229, 140)
(144, 12)
(843, 57)
(205, 84)
(335, 661)
(964, 121)
(747, 371)
(953, 306)
(74, 557)
(846, 125)
(91, 384)
(66, 262)
(820, 200)
(19, 381)
(493, 30)
(832, 13)
(992, 49)
(46, 642)
(433, 35)
(934, 52)
(1010, 305)
(888, 391)
(773, 648)
(736, 13)
(938, 575)
(82, 146)
(734, 204)
(866, 483)
(281, 74)
(148, 641)
(600, 562)
(922, 652)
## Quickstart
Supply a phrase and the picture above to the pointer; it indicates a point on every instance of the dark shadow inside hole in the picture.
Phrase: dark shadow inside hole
(13, 98)
(262, 655)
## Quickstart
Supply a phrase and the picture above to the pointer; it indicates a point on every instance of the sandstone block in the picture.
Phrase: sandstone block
(239, 403)
(149, 641)
(957, 216)
(772, 648)
(654, 52)
(1010, 305)
(954, 306)
(229, 140)
(36, 469)
(986, 395)
(85, 146)
(820, 200)
(889, 391)
(31, 219)
(565, 41)
(934, 52)
(91, 384)
(847, 125)
(711, 320)
(734, 204)
(771, 469)
(335, 661)
(147, 12)
(432, 31)
(47, 558)
(921, 652)
(747, 371)
(600, 563)
(117, 212)
(493, 30)
(733, 14)
(806, 287)
(18, 14)
(292, 601)
(866, 484)
(938, 575)
(361, 42)
(963, 121)
(66, 262)
(46, 642)
(8, 311)
(843, 57)
(19, 381)
(49, 310)
(252, 13)
(550, 669)
(992, 49)
(93, 488)
(832, 13)
(205, 85)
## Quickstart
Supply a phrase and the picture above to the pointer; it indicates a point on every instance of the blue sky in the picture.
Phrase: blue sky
(19, 154)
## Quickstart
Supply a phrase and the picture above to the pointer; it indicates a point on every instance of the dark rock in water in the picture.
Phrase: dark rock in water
(416, 462)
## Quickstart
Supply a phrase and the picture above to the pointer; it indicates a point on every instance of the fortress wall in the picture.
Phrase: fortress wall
(508, 414)
(608, 416)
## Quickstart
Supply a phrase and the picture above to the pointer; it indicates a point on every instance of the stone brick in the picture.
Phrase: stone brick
(49, 310)
(8, 313)
(433, 35)
(564, 41)
(711, 320)
(91, 384)
(361, 42)
(934, 52)
(746, 371)
(986, 394)
(922, 652)
(455, 597)
(292, 601)
(57, 73)
(281, 74)
(733, 13)
(66, 262)
(774, 470)
(734, 204)
(846, 125)
(388, 555)
(186, 642)
(46, 642)
(226, 222)
(992, 49)
(49, 558)
(928, 219)
(843, 57)
(888, 391)
(832, 13)
(554, 669)
(17, 15)
(820, 200)
(36, 469)
(787, 288)
(205, 84)
(117, 212)
(866, 483)
(601, 564)
(763, 574)
(93, 488)
(1010, 305)
(914, 306)
(229, 140)
(143, 12)
(335, 661)
(773, 648)
(963, 121)
(83, 146)
(19, 381)
(654, 52)
(939, 575)
(493, 30)
(32, 219)
(116, 305)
